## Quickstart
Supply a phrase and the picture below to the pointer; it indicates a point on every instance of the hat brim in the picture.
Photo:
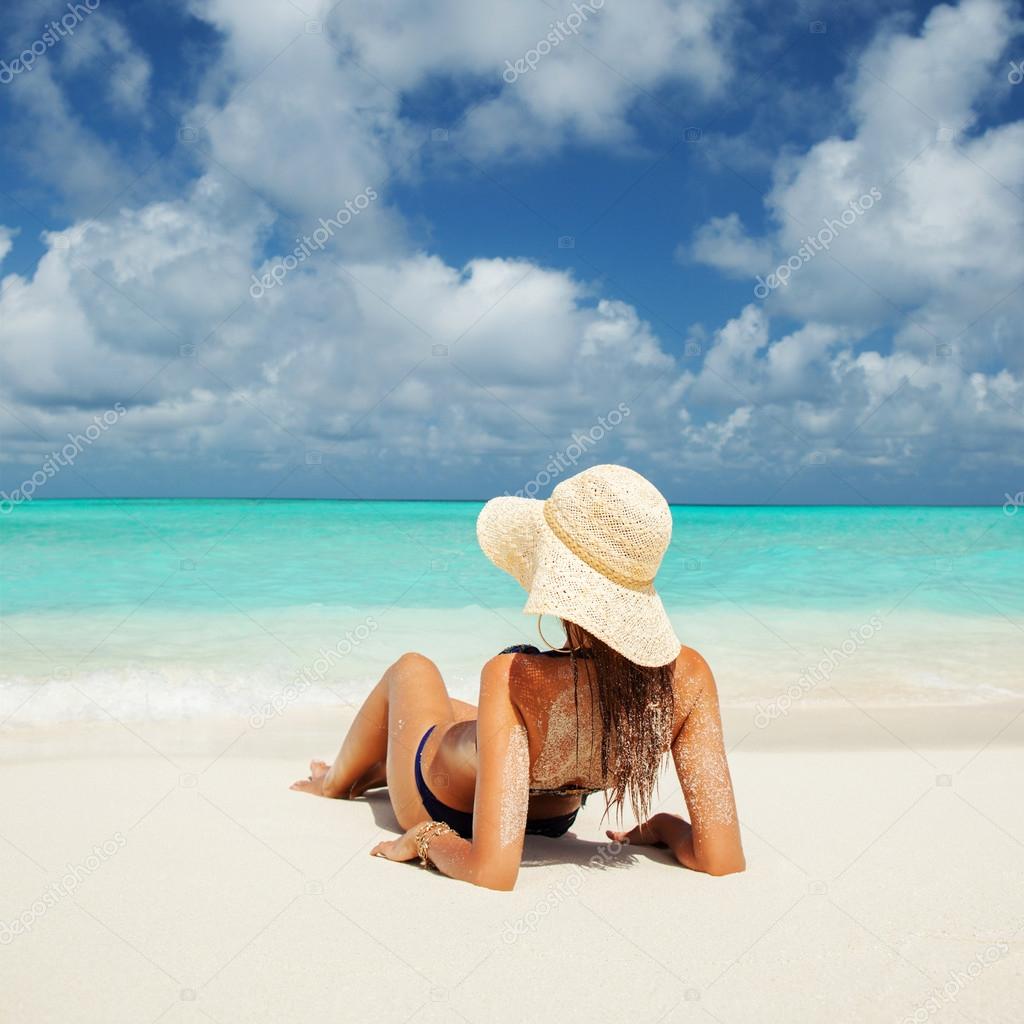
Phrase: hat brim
(514, 535)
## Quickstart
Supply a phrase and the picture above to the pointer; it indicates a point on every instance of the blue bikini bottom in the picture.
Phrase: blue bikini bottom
(462, 821)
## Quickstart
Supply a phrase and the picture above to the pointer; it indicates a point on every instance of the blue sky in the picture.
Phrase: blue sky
(520, 257)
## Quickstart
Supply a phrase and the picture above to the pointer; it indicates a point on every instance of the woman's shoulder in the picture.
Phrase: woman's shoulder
(691, 675)
(527, 674)
(691, 662)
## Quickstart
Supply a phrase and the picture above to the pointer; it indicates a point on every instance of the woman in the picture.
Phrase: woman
(467, 784)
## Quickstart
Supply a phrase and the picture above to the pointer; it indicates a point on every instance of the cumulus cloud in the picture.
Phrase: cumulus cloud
(303, 95)
(583, 88)
(371, 342)
(6, 241)
(723, 243)
(153, 309)
(375, 349)
(103, 43)
(813, 394)
(935, 263)
(549, 73)
(942, 239)
(291, 119)
(44, 129)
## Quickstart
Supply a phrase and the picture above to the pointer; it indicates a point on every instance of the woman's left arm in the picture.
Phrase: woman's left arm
(493, 856)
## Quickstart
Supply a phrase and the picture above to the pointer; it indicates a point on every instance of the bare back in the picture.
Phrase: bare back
(563, 723)
(563, 727)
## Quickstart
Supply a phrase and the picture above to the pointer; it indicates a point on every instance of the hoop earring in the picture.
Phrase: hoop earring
(569, 648)
(540, 631)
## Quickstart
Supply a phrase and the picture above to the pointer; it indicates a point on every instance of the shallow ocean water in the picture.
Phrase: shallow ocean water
(168, 608)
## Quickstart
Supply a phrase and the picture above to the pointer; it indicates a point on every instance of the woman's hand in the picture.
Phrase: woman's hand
(661, 830)
(402, 848)
(677, 834)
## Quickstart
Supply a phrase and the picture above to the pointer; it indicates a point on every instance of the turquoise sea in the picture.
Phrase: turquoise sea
(189, 607)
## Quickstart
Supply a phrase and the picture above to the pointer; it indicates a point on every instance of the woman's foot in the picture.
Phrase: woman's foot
(315, 783)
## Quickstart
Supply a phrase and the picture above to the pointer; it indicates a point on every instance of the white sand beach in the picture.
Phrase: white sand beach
(164, 872)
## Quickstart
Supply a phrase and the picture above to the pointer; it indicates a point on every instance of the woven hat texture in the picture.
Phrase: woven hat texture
(589, 554)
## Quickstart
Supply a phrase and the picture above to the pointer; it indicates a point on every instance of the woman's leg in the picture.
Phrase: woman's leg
(381, 743)
(417, 700)
(364, 749)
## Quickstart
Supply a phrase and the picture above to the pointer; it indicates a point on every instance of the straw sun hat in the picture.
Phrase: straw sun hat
(589, 554)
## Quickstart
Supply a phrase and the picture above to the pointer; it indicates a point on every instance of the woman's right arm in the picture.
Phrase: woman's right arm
(710, 840)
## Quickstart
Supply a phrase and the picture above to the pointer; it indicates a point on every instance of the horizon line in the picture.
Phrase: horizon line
(474, 501)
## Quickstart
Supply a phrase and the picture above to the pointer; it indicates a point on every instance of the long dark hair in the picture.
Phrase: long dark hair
(636, 706)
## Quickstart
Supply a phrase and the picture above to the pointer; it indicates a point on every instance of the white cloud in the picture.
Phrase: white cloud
(943, 241)
(937, 261)
(342, 354)
(114, 298)
(302, 101)
(6, 241)
(343, 357)
(585, 87)
(285, 114)
(101, 44)
(811, 393)
(46, 131)
(724, 244)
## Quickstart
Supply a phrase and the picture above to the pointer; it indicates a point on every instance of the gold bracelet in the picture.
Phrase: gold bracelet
(425, 834)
